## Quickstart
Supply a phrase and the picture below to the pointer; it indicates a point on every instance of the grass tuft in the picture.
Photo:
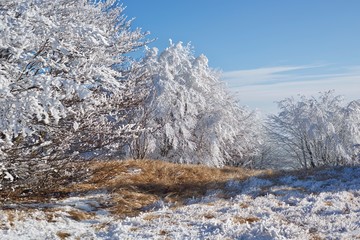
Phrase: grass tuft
(80, 215)
(245, 220)
(63, 235)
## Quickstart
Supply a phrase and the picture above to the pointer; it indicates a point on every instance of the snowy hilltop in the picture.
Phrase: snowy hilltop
(324, 204)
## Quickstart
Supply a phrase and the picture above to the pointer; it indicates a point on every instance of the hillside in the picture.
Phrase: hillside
(156, 200)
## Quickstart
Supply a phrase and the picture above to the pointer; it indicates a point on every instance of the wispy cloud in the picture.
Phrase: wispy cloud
(260, 88)
(260, 75)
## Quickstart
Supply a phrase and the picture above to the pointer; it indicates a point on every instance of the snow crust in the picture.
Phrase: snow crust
(325, 205)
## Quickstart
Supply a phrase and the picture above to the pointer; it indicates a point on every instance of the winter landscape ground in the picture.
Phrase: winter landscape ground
(192, 202)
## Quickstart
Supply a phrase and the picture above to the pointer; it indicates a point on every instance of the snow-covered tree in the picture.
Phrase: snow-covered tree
(66, 82)
(351, 135)
(191, 117)
(317, 131)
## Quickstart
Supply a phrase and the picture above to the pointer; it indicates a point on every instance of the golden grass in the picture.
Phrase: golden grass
(63, 235)
(135, 184)
(328, 203)
(153, 180)
(80, 215)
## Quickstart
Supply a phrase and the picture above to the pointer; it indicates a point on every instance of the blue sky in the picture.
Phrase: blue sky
(267, 49)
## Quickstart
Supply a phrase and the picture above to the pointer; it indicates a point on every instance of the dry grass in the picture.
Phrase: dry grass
(80, 215)
(244, 205)
(209, 216)
(243, 220)
(50, 217)
(63, 235)
(151, 217)
(135, 184)
(327, 203)
(10, 217)
(163, 232)
(316, 237)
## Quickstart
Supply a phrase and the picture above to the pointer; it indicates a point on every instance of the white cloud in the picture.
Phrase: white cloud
(261, 75)
(260, 88)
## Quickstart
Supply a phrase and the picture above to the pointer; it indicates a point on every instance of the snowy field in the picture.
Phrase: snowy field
(325, 205)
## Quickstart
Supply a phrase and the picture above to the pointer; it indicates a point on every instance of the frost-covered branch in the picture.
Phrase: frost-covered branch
(63, 89)
(317, 131)
(190, 117)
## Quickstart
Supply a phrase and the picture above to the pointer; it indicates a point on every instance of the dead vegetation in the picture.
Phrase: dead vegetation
(136, 184)
(63, 235)
(133, 185)
(80, 215)
(245, 220)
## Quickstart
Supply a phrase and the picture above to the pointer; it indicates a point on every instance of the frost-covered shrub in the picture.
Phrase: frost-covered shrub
(318, 131)
(66, 84)
(191, 117)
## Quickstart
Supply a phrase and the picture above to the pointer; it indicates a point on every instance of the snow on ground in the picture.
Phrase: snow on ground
(322, 206)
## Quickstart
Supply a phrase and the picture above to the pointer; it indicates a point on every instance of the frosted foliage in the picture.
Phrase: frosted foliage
(192, 117)
(318, 131)
(61, 75)
(352, 130)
